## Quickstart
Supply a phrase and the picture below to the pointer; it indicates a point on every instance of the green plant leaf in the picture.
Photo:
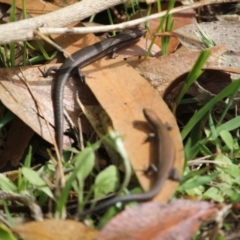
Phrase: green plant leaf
(197, 181)
(203, 111)
(6, 184)
(226, 178)
(34, 178)
(227, 138)
(28, 158)
(213, 193)
(87, 159)
(106, 181)
(6, 233)
(9, 116)
(197, 191)
(234, 171)
(69, 182)
(194, 74)
(230, 125)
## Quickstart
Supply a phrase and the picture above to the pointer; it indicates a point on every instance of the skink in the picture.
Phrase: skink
(164, 160)
(82, 58)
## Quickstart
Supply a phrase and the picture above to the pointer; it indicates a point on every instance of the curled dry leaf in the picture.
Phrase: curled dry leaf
(179, 219)
(208, 85)
(163, 71)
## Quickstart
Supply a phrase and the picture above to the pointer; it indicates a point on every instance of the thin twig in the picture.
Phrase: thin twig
(26, 200)
(121, 26)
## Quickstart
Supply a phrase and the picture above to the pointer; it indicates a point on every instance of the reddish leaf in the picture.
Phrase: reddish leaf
(177, 220)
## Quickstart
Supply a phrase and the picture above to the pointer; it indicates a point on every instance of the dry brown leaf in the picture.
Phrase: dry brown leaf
(14, 148)
(181, 19)
(64, 3)
(55, 230)
(34, 8)
(163, 71)
(123, 94)
(12, 175)
(139, 49)
(179, 219)
(16, 97)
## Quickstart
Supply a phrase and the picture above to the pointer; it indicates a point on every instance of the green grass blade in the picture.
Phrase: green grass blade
(204, 110)
(194, 74)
